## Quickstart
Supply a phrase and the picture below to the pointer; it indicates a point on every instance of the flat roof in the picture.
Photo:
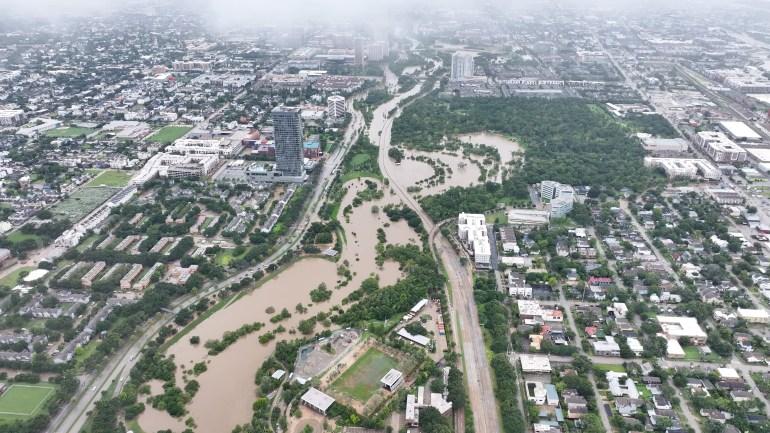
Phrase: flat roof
(535, 363)
(317, 399)
(754, 313)
(677, 327)
(758, 153)
(739, 130)
(418, 339)
(673, 348)
(391, 377)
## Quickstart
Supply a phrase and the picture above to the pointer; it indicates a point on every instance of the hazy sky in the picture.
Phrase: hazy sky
(265, 12)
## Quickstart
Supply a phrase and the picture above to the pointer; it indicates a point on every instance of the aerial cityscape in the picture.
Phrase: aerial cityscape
(428, 216)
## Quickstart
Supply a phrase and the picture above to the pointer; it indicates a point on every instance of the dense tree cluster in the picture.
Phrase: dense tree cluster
(566, 140)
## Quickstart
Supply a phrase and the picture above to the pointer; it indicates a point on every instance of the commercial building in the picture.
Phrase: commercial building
(11, 117)
(241, 171)
(528, 217)
(684, 167)
(739, 131)
(659, 145)
(754, 315)
(472, 230)
(559, 197)
(317, 400)
(191, 66)
(175, 166)
(719, 147)
(224, 147)
(675, 327)
(535, 364)
(289, 140)
(335, 107)
(462, 66)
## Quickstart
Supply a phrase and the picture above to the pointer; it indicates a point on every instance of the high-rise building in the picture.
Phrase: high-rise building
(462, 65)
(335, 106)
(560, 197)
(358, 52)
(376, 51)
(289, 138)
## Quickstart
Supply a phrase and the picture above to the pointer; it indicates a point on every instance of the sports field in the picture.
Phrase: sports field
(114, 178)
(168, 134)
(362, 379)
(68, 132)
(21, 401)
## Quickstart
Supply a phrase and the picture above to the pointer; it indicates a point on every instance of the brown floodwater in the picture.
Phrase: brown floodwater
(505, 146)
(227, 388)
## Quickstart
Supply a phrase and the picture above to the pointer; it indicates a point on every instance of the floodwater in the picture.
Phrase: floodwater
(459, 171)
(508, 149)
(227, 388)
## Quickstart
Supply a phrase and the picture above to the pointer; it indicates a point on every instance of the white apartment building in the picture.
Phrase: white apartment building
(224, 147)
(472, 230)
(11, 117)
(462, 66)
(335, 107)
(684, 167)
(719, 147)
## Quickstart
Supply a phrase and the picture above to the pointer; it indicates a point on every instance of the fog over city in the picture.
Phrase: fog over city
(384, 216)
(261, 12)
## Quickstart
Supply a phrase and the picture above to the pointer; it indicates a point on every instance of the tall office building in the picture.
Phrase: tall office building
(287, 125)
(462, 66)
(358, 52)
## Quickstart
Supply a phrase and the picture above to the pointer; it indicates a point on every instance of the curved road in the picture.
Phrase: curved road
(465, 322)
(73, 416)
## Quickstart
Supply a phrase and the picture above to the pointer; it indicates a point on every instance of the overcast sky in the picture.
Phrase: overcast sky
(261, 12)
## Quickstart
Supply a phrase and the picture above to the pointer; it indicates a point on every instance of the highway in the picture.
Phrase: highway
(73, 416)
(465, 322)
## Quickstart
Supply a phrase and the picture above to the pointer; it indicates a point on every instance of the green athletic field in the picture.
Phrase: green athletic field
(21, 401)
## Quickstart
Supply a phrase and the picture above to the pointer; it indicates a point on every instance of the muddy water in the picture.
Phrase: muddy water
(227, 388)
(463, 171)
(508, 149)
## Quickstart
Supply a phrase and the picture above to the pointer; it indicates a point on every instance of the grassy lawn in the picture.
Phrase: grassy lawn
(22, 401)
(113, 178)
(17, 236)
(360, 159)
(68, 132)
(643, 391)
(12, 279)
(500, 217)
(618, 368)
(362, 379)
(224, 257)
(81, 202)
(692, 354)
(82, 353)
(168, 134)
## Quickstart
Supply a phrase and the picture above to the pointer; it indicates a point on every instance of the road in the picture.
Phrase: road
(666, 265)
(465, 322)
(73, 416)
